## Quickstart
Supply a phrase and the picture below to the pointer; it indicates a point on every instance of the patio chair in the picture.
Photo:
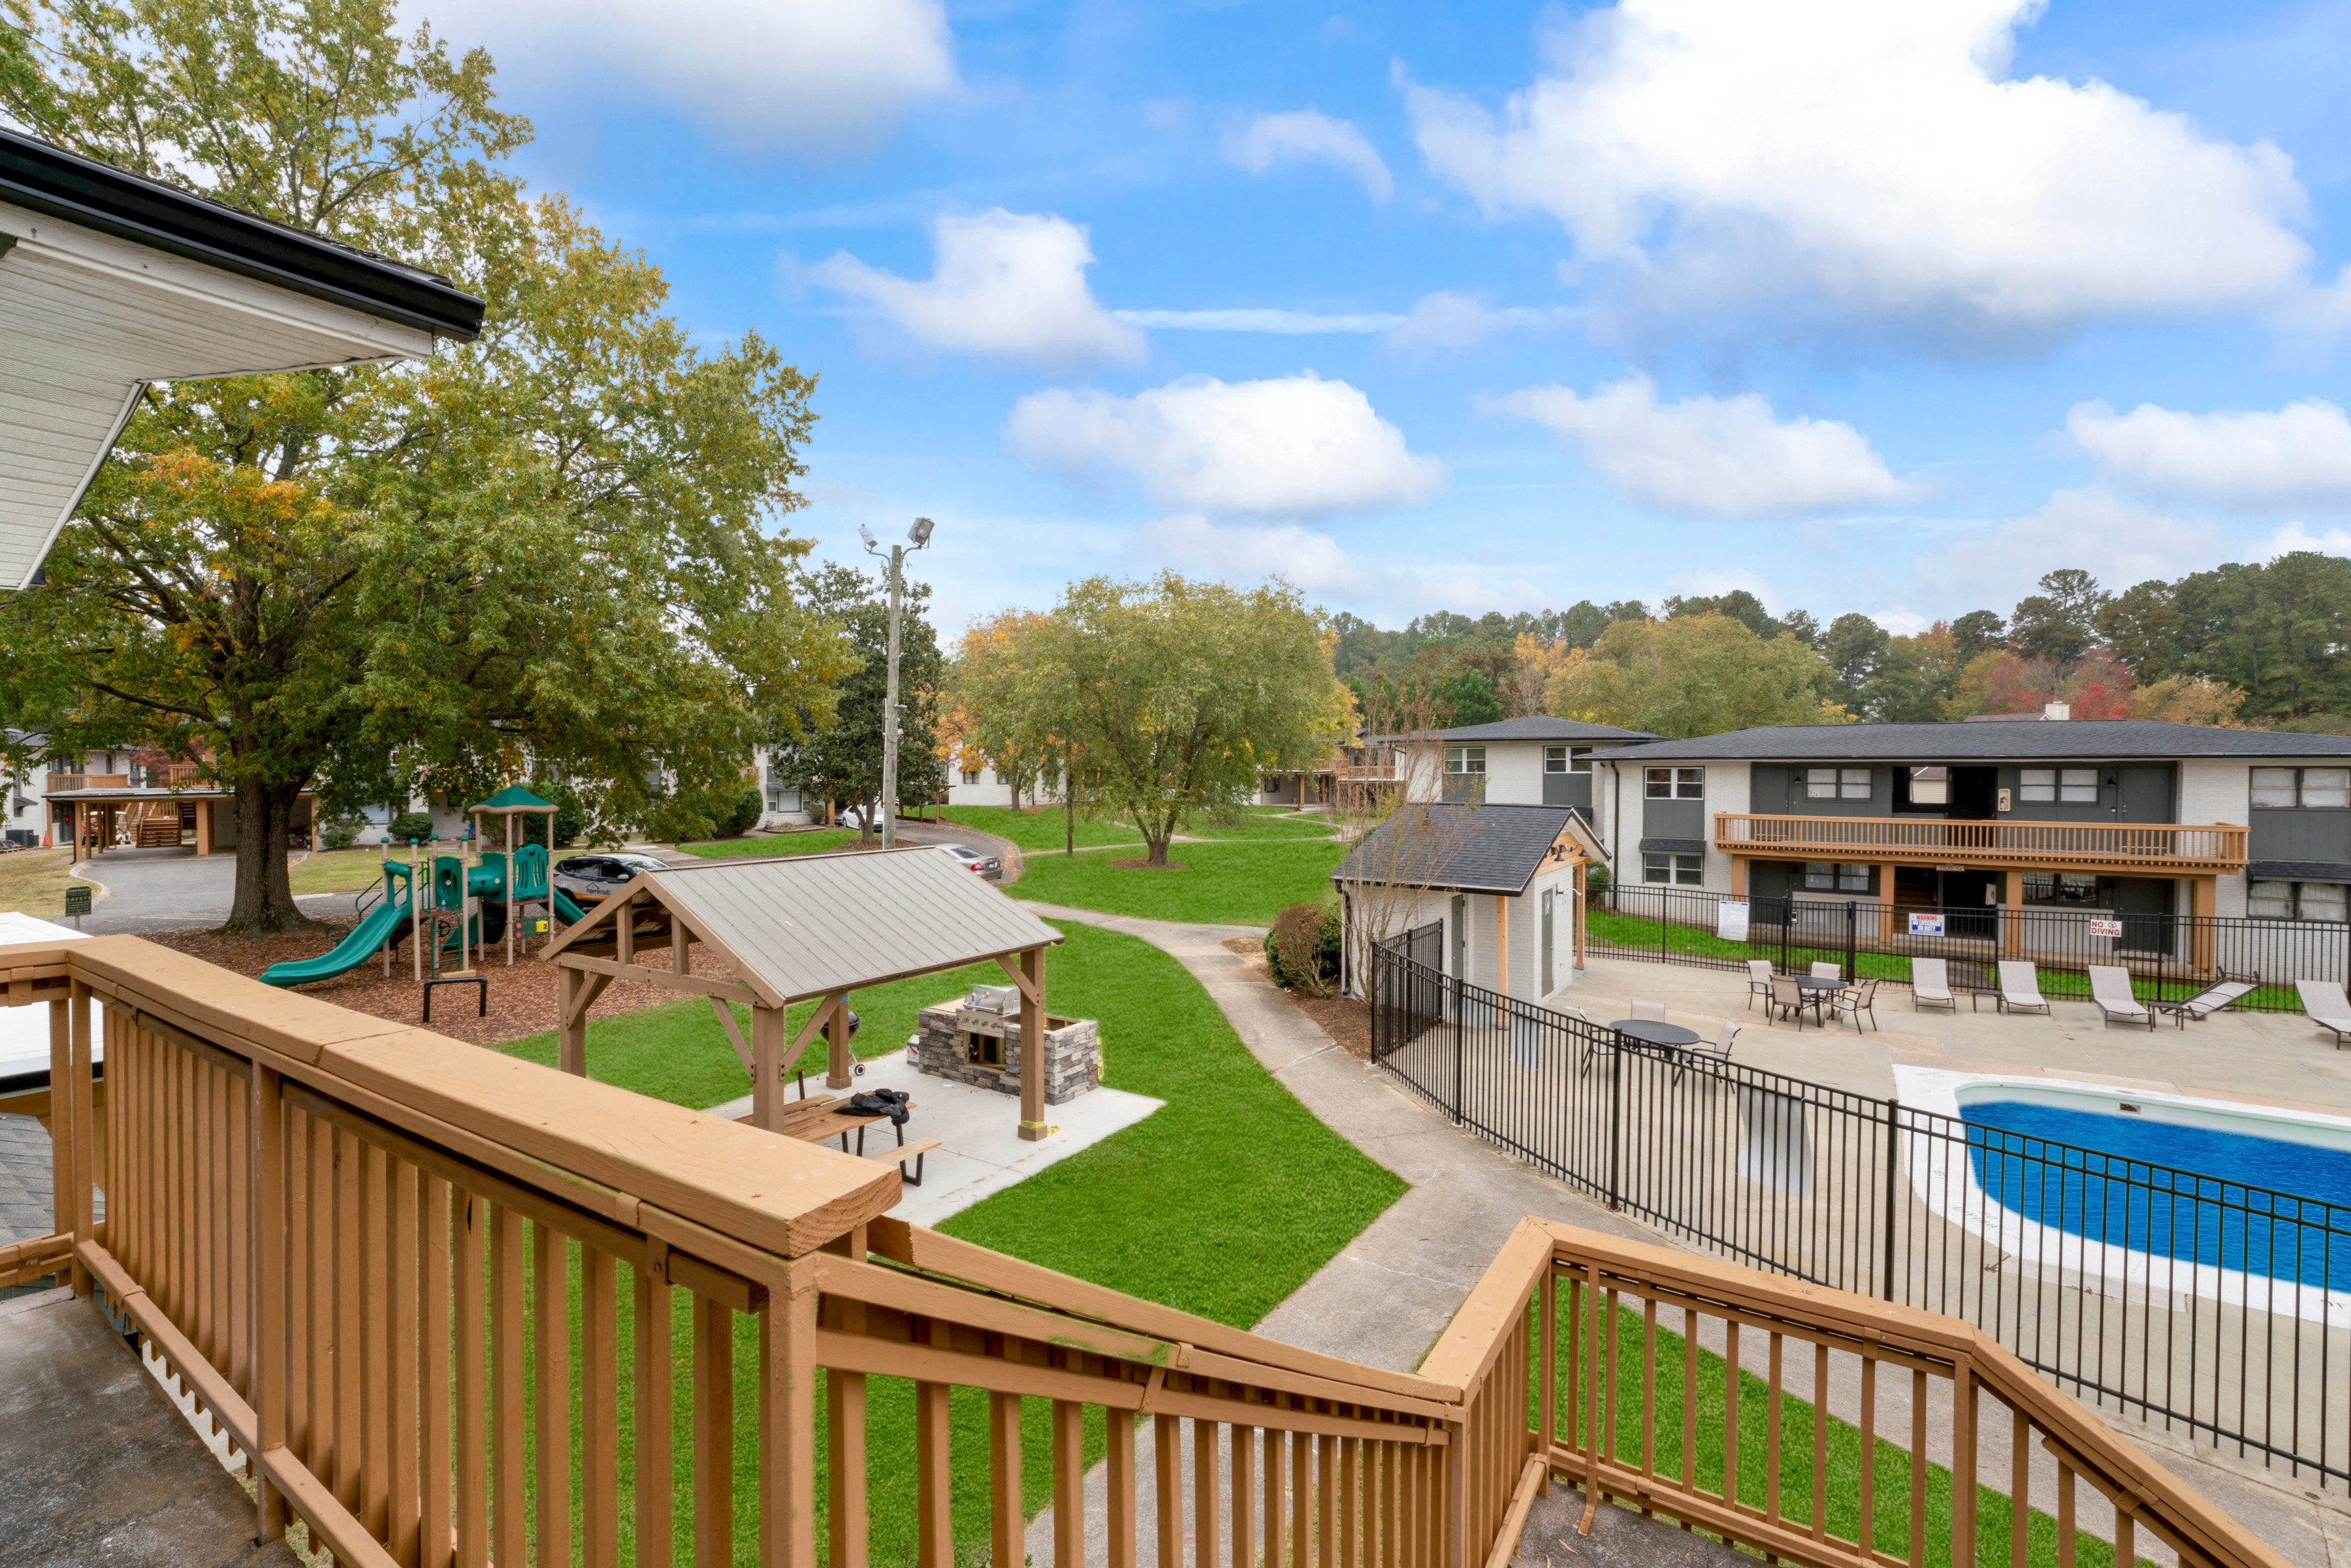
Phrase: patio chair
(1790, 1000)
(2328, 1008)
(1828, 971)
(1719, 1050)
(1930, 984)
(1758, 982)
(2020, 988)
(1654, 1011)
(1854, 1000)
(2110, 987)
(2212, 998)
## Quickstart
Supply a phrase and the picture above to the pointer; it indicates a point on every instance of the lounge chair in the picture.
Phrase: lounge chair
(2328, 1008)
(2212, 998)
(1930, 984)
(2110, 987)
(1854, 1000)
(1758, 982)
(2020, 988)
(1654, 1011)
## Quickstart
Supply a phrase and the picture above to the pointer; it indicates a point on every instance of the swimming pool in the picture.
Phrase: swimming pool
(2240, 1189)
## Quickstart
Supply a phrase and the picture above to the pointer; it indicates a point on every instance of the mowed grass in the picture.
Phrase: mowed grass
(1888, 1525)
(814, 842)
(1266, 823)
(1039, 831)
(33, 882)
(343, 871)
(1221, 1203)
(1242, 884)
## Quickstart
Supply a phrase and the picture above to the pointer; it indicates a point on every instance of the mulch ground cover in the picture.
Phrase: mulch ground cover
(1345, 1020)
(521, 998)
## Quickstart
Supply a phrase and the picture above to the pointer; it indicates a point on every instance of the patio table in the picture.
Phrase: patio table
(1817, 988)
(1654, 1031)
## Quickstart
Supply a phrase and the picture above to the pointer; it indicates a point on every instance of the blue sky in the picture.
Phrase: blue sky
(1500, 306)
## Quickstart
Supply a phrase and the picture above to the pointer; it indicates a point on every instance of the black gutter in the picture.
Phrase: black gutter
(49, 180)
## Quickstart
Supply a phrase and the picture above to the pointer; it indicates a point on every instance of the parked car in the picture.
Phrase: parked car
(990, 866)
(589, 878)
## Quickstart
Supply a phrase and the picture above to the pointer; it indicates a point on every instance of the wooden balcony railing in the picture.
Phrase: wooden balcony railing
(2170, 847)
(57, 781)
(361, 1247)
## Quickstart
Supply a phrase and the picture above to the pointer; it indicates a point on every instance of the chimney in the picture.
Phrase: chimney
(2057, 710)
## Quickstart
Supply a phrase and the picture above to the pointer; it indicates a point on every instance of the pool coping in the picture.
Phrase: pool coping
(2044, 1251)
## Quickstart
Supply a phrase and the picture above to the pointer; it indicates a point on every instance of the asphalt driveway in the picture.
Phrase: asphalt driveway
(172, 890)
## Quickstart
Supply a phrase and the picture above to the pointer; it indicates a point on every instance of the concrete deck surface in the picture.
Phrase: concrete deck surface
(100, 1468)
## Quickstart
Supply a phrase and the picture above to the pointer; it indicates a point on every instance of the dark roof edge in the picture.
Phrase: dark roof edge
(49, 180)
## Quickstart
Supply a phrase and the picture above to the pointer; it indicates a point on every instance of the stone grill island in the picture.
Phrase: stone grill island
(975, 1040)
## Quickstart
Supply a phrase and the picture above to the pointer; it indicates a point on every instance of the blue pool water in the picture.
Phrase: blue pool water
(2260, 1204)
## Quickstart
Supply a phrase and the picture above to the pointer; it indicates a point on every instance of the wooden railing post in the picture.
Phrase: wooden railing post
(268, 1318)
(77, 1115)
(788, 1420)
(61, 1212)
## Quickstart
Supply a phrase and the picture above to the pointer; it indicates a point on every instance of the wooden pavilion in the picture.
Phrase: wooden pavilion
(808, 927)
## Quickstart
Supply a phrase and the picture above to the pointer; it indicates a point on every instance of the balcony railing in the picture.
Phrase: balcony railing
(60, 781)
(2105, 846)
(359, 1247)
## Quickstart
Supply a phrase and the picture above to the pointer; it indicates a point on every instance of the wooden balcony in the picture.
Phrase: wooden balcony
(355, 1245)
(2171, 849)
(58, 782)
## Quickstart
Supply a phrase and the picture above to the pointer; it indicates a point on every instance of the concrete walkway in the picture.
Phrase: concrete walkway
(1391, 1291)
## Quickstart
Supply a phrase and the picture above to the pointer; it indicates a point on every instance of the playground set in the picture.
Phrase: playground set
(474, 900)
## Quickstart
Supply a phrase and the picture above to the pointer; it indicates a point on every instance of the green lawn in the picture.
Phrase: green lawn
(1268, 823)
(1245, 883)
(1042, 830)
(1222, 1203)
(1889, 1523)
(815, 841)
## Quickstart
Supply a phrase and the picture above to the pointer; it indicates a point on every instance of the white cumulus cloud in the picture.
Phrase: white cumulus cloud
(2301, 453)
(2295, 537)
(1008, 284)
(2115, 540)
(1318, 564)
(1292, 445)
(1305, 136)
(1719, 457)
(1877, 156)
(817, 76)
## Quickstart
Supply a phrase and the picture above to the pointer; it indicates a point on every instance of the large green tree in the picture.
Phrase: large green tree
(553, 549)
(1179, 694)
(1695, 675)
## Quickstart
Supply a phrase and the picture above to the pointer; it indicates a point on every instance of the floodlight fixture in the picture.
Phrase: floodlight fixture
(921, 532)
(867, 535)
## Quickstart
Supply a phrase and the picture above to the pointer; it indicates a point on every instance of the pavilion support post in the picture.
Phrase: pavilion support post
(1033, 1046)
(767, 1067)
(839, 1065)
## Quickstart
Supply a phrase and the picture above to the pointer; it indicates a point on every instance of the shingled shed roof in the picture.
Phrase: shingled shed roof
(810, 925)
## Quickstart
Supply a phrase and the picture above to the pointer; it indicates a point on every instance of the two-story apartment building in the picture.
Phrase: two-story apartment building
(2123, 817)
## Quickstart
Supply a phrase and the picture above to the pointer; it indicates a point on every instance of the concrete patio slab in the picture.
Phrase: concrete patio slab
(982, 1150)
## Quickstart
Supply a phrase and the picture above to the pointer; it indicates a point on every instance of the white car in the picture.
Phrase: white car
(590, 878)
(990, 866)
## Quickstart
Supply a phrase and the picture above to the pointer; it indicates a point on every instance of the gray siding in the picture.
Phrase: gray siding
(1674, 818)
(1779, 787)
(2300, 834)
(1567, 790)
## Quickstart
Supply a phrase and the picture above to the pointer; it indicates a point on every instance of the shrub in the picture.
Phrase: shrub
(339, 834)
(1595, 880)
(744, 814)
(1302, 948)
(411, 825)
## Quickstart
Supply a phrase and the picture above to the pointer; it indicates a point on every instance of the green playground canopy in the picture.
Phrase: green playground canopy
(513, 798)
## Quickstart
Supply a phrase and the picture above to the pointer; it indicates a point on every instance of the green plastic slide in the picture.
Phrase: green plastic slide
(378, 927)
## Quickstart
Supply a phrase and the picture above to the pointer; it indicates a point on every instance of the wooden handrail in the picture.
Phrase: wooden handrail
(332, 1229)
(2176, 846)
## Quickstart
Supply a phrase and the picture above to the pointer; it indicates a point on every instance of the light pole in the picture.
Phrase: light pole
(918, 536)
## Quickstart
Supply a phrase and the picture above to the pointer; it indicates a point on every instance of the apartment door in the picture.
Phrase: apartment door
(1974, 794)
(2143, 794)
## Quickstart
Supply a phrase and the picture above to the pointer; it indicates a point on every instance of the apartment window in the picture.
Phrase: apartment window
(1822, 876)
(2308, 787)
(2070, 786)
(1688, 870)
(1930, 786)
(2296, 901)
(1836, 783)
(1567, 760)
(1674, 783)
(2060, 887)
(971, 775)
(1465, 759)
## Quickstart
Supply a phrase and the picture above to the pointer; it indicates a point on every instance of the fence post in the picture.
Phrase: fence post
(1459, 1047)
(1893, 1135)
(1852, 917)
(1615, 1117)
(1787, 919)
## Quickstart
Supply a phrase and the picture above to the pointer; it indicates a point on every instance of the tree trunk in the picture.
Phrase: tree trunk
(1157, 847)
(265, 897)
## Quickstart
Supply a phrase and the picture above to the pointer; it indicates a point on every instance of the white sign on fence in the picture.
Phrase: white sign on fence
(1731, 921)
(1926, 925)
(2102, 927)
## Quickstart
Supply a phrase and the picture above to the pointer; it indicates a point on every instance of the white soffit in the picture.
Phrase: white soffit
(87, 320)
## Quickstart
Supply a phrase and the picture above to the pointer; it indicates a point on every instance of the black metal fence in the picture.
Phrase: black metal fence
(2206, 1304)
(2169, 956)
